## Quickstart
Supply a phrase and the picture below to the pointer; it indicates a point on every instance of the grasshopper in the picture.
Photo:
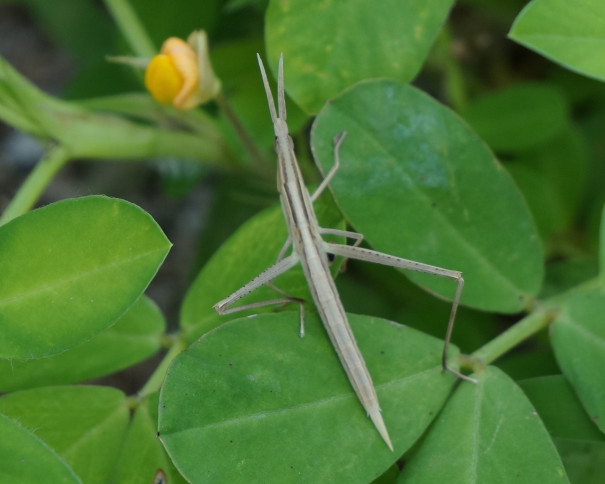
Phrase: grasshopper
(312, 252)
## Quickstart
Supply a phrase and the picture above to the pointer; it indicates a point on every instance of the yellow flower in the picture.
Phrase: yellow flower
(181, 73)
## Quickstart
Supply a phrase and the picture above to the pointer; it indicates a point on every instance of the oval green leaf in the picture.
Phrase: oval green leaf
(579, 442)
(519, 117)
(84, 425)
(133, 338)
(329, 45)
(488, 433)
(553, 178)
(578, 338)
(252, 401)
(569, 33)
(602, 248)
(560, 409)
(141, 453)
(419, 184)
(70, 270)
(26, 459)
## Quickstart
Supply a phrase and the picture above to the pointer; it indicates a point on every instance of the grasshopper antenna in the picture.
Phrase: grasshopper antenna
(281, 93)
(270, 100)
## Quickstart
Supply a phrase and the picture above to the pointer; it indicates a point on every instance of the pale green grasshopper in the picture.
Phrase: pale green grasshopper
(311, 251)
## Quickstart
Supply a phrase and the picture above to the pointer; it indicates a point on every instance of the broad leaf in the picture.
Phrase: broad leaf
(488, 433)
(522, 116)
(569, 33)
(133, 338)
(578, 338)
(602, 248)
(26, 459)
(579, 442)
(330, 45)
(70, 270)
(142, 455)
(84, 425)
(553, 178)
(419, 184)
(252, 390)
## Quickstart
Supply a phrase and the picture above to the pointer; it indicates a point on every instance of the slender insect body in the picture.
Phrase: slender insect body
(307, 243)
(311, 251)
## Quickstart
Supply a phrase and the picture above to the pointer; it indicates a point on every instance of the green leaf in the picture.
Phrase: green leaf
(579, 442)
(564, 274)
(142, 454)
(519, 117)
(251, 250)
(133, 338)
(488, 433)
(26, 459)
(560, 409)
(541, 197)
(419, 184)
(578, 338)
(555, 179)
(251, 391)
(329, 45)
(602, 248)
(84, 425)
(569, 33)
(70, 270)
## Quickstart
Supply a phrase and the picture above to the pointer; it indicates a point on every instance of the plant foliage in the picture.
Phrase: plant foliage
(491, 163)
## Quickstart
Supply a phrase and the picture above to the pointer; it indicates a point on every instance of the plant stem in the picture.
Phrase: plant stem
(454, 79)
(157, 378)
(130, 26)
(35, 184)
(257, 158)
(525, 328)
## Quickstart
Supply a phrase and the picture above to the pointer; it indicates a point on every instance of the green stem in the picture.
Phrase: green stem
(257, 158)
(155, 381)
(454, 77)
(525, 328)
(35, 184)
(130, 26)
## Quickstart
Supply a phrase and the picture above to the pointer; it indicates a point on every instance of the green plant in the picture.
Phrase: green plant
(241, 399)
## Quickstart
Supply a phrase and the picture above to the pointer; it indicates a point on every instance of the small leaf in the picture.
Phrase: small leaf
(578, 338)
(419, 184)
(132, 339)
(579, 442)
(569, 33)
(330, 45)
(602, 248)
(252, 390)
(519, 117)
(488, 433)
(84, 425)
(142, 454)
(70, 270)
(560, 409)
(553, 178)
(251, 250)
(563, 275)
(26, 459)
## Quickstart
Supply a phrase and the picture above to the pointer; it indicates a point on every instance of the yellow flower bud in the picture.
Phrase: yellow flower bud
(162, 79)
(181, 74)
